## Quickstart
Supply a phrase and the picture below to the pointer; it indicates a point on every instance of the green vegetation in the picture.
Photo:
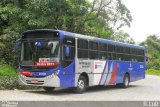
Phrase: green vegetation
(152, 44)
(7, 70)
(153, 72)
(9, 78)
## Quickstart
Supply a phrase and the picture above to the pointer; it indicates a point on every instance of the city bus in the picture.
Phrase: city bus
(54, 58)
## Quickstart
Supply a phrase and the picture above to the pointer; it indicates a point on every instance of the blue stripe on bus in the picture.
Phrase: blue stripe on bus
(109, 67)
(103, 73)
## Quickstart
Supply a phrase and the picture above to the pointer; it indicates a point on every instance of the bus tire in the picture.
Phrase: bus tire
(81, 85)
(48, 89)
(126, 81)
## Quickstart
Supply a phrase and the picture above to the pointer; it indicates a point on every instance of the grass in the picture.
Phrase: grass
(6, 70)
(9, 78)
(153, 72)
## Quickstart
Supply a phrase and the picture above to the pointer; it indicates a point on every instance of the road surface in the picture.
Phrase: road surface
(144, 90)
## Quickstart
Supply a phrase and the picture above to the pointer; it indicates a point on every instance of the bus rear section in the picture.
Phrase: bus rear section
(105, 62)
(109, 72)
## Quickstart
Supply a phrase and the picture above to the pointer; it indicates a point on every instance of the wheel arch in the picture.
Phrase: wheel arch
(127, 73)
(84, 74)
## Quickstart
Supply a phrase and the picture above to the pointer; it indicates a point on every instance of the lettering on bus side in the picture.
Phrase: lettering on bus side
(141, 66)
(85, 64)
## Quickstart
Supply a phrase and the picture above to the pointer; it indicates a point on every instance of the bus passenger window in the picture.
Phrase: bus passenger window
(109, 56)
(102, 55)
(82, 48)
(93, 50)
(111, 48)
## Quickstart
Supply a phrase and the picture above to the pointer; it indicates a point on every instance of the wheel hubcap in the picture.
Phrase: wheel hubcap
(126, 81)
(81, 84)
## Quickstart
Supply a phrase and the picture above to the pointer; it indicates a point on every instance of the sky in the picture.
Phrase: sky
(146, 18)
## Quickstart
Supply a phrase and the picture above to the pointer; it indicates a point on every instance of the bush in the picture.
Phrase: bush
(153, 72)
(9, 78)
(154, 64)
(8, 82)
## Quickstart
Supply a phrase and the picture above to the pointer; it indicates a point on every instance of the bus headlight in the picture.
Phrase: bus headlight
(22, 76)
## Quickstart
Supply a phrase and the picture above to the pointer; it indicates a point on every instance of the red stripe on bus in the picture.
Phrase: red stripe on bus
(112, 80)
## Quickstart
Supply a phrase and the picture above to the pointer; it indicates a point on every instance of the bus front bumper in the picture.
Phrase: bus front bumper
(48, 81)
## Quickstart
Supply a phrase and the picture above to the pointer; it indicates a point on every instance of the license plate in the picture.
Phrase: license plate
(34, 81)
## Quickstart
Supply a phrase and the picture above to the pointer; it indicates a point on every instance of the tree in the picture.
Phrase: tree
(152, 44)
(81, 16)
(121, 36)
(104, 17)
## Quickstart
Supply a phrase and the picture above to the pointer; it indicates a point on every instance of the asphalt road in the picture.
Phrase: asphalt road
(144, 90)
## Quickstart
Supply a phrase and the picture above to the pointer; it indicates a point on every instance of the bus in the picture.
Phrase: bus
(54, 58)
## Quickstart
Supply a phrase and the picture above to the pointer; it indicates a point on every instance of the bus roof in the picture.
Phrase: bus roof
(91, 38)
(103, 40)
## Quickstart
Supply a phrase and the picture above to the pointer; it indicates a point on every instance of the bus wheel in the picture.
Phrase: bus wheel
(81, 85)
(48, 89)
(126, 80)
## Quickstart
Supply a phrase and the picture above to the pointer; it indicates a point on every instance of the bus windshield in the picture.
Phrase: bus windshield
(40, 53)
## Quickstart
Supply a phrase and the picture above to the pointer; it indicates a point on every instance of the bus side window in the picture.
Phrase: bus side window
(68, 51)
(102, 51)
(120, 57)
(82, 48)
(111, 48)
(93, 50)
(109, 56)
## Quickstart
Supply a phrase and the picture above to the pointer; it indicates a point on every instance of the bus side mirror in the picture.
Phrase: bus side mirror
(67, 51)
